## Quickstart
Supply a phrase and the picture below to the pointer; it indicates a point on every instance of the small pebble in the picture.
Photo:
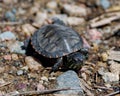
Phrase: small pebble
(52, 78)
(40, 87)
(2, 69)
(15, 47)
(25, 68)
(7, 57)
(14, 56)
(21, 11)
(17, 64)
(104, 56)
(110, 77)
(105, 3)
(52, 5)
(20, 72)
(10, 1)
(10, 16)
(75, 21)
(101, 64)
(94, 35)
(2, 81)
(50, 11)
(7, 36)
(44, 78)
(14, 10)
(101, 70)
(34, 9)
(32, 64)
(115, 67)
(75, 10)
(95, 47)
(40, 18)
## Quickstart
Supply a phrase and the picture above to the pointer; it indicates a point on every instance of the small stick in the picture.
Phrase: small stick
(105, 15)
(104, 21)
(113, 93)
(101, 87)
(5, 84)
(38, 92)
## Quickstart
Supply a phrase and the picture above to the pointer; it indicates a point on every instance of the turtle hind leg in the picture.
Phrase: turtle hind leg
(57, 65)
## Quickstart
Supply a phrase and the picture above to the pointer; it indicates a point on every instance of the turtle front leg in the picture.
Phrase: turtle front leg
(57, 65)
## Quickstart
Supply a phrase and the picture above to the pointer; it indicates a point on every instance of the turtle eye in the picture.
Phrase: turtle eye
(78, 58)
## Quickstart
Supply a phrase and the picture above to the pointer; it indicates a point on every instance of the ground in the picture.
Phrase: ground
(96, 21)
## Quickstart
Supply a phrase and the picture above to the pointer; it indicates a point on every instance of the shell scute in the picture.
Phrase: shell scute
(55, 41)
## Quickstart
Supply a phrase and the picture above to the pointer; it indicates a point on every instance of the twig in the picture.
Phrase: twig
(83, 86)
(104, 15)
(113, 93)
(37, 92)
(104, 21)
(5, 84)
(115, 32)
(104, 88)
(10, 23)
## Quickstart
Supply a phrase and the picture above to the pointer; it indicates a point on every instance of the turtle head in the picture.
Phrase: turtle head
(57, 21)
(75, 60)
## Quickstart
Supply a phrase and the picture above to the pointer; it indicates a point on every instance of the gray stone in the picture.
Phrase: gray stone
(71, 80)
(10, 16)
(105, 3)
(20, 72)
(7, 36)
(16, 47)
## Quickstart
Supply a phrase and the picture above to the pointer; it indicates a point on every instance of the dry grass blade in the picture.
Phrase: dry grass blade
(83, 86)
(104, 88)
(2, 85)
(112, 94)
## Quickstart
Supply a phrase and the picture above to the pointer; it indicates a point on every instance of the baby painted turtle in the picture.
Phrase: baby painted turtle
(59, 42)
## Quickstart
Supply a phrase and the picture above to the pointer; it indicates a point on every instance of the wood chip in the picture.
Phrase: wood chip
(114, 55)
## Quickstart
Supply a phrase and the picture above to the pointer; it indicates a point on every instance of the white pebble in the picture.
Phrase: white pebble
(52, 5)
(75, 10)
(40, 18)
(75, 20)
(44, 78)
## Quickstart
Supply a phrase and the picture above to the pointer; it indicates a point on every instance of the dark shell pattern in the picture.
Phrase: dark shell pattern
(55, 41)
